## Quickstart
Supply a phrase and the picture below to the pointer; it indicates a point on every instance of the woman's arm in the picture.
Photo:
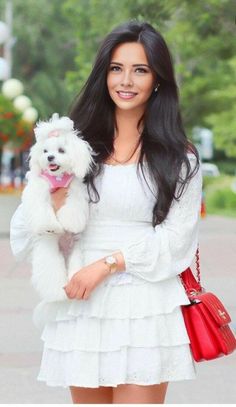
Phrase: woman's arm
(21, 240)
(169, 248)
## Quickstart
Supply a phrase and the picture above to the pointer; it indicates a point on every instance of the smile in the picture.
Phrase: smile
(53, 167)
(126, 95)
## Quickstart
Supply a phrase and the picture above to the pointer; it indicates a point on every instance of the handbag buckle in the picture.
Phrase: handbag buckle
(197, 292)
(222, 314)
(194, 301)
(193, 292)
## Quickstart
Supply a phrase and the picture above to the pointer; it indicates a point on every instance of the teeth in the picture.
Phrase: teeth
(127, 93)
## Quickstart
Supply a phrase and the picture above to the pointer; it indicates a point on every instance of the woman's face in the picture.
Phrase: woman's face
(130, 80)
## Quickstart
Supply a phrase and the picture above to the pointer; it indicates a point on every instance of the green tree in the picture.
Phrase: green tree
(43, 52)
(91, 20)
(57, 42)
(201, 36)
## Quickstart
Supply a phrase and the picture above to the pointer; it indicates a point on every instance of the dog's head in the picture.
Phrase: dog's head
(59, 148)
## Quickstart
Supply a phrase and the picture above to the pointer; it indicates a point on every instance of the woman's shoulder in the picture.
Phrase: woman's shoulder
(192, 152)
(192, 157)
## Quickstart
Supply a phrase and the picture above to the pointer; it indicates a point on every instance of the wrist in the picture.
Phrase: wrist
(113, 263)
(110, 262)
(120, 261)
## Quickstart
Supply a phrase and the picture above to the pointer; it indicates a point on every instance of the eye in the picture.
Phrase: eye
(115, 68)
(61, 150)
(141, 70)
(45, 151)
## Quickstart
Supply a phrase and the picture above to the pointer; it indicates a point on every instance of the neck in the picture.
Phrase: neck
(127, 124)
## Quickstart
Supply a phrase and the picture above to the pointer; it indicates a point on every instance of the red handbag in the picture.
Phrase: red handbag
(206, 320)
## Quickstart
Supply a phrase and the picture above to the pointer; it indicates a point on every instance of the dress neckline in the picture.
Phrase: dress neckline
(124, 165)
(119, 165)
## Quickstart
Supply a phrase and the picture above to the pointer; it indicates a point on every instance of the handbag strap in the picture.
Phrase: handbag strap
(192, 283)
(197, 260)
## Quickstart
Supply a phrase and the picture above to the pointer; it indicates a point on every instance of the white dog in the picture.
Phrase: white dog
(59, 158)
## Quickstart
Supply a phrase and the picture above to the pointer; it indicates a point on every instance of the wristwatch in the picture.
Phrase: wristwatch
(112, 262)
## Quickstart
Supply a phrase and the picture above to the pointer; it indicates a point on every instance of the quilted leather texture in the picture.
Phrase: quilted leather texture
(206, 322)
(214, 307)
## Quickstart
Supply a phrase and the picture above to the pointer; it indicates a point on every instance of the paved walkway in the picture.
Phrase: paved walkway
(20, 342)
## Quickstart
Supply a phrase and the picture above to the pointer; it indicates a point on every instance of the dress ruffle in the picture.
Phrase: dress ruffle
(142, 366)
(124, 333)
(117, 299)
(102, 335)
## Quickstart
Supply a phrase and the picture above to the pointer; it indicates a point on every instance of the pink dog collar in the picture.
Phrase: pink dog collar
(57, 181)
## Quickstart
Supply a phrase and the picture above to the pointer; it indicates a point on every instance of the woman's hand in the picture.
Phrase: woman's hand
(58, 198)
(85, 280)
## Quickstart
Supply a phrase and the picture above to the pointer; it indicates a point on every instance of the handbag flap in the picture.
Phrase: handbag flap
(215, 307)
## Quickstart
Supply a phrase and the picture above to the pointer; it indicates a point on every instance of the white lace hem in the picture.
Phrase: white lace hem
(144, 366)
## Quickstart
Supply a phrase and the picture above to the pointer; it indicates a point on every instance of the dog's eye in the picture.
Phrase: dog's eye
(61, 150)
(45, 151)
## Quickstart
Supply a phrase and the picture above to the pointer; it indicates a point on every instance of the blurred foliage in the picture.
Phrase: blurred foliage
(220, 197)
(43, 52)
(14, 131)
(201, 36)
(223, 199)
(91, 20)
(227, 166)
(57, 42)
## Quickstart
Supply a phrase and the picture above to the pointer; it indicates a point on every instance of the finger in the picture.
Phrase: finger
(67, 289)
(80, 293)
(86, 295)
(72, 290)
(71, 286)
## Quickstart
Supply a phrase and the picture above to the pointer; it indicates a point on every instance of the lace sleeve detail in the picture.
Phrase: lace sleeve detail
(169, 248)
(20, 239)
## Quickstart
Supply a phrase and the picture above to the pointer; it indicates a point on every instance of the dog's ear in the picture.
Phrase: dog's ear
(33, 160)
(81, 154)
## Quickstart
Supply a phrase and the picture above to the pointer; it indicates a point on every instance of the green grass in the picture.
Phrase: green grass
(219, 197)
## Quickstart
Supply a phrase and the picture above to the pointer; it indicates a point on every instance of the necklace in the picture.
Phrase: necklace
(125, 161)
(112, 156)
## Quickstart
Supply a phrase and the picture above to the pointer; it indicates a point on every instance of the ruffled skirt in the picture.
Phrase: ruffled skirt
(128, 331)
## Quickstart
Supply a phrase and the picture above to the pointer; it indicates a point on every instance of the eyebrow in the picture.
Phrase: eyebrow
(118, 63)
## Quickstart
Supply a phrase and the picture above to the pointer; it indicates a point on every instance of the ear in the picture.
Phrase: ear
(81, 154)
(33, 160)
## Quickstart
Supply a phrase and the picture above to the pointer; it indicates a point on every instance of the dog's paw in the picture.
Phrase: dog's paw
(51, 228)
(71, 223)
(72, 228)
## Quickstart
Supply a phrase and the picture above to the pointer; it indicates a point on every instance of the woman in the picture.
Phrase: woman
(120, 337)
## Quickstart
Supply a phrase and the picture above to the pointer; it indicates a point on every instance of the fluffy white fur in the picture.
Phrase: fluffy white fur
(50, 270)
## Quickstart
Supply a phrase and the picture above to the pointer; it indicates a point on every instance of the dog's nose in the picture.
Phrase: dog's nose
(51, 157)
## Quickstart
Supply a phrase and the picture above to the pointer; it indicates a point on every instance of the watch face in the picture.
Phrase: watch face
(111, 260)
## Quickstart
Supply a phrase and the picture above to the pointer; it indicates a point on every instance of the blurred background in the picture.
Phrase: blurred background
(47, 49)
(49, 46)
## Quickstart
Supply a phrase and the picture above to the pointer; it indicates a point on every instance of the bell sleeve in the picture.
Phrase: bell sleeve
(169, 248)
(21, 241)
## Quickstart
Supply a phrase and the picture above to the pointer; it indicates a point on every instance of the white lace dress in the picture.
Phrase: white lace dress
(131, 329)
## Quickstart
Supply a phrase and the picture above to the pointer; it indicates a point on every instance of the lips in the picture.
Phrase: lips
(54, 167)
(126, 95)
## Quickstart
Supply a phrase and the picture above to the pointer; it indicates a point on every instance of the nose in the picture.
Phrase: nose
(51, 157)
(127, 79)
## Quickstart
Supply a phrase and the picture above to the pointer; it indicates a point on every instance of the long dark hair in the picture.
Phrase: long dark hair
(164, 143)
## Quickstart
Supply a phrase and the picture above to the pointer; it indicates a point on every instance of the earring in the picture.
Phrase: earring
(156, 88)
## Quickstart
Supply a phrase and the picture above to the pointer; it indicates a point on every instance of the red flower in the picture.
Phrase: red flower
(8, 115)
